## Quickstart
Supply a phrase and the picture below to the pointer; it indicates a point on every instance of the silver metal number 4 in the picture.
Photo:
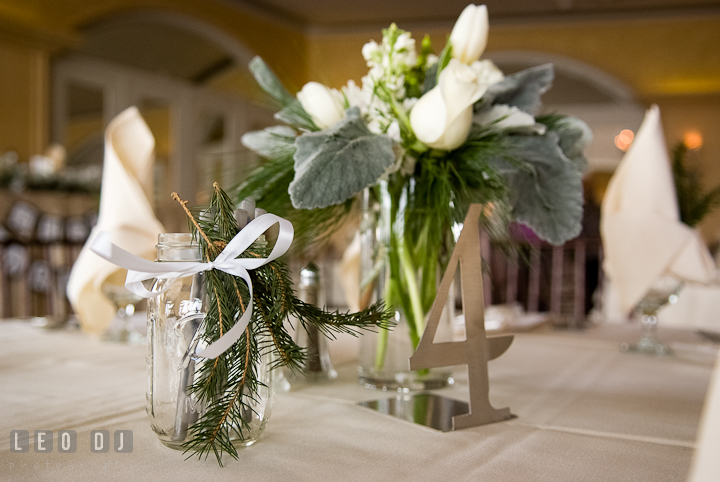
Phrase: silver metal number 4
(477, 349)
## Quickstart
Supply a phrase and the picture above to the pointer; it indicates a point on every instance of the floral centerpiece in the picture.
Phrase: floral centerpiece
(424, 137)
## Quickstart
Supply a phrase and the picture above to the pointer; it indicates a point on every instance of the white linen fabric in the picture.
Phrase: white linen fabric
(586, 412)
(125, 213)
(643, 237)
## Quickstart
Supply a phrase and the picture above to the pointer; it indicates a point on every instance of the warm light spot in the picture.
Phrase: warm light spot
(693, 140)
(624, 139)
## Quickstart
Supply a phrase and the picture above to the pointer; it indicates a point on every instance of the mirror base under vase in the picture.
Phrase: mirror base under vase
(648, 347)
(404, 382)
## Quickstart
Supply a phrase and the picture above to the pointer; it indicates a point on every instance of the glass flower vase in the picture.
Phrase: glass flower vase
(174, 318)
(386, 274)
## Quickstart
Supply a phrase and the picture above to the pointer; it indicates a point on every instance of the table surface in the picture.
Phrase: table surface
(585, 411)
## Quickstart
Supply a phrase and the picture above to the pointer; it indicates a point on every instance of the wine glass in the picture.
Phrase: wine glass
(664, 291)
(121, 328)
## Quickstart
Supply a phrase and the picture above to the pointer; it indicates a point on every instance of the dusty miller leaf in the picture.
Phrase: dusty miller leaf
(273, 142)
(575, 135)
(545, 186)
(522, 89)
(335, 164)
(268, 81)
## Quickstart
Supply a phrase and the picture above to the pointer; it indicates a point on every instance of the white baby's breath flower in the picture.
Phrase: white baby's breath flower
(404, 50)
(356, 97)
(405, 43)
(371, 52)
(384, 84)
(393, 131)
(374, 125)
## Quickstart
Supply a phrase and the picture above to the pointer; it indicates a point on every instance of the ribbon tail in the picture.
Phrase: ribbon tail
(137, 288)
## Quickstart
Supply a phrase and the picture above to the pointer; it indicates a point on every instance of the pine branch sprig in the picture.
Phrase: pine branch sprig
(228, 386)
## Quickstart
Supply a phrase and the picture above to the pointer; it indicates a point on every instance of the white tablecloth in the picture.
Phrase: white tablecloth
(585, 412)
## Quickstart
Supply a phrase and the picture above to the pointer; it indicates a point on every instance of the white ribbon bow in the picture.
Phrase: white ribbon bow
(140, 269)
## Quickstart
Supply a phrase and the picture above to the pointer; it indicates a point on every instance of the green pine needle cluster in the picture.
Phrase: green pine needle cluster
(228, 385)
(693, 202)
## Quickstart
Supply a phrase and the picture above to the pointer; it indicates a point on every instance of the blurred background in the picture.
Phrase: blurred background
(67, 67)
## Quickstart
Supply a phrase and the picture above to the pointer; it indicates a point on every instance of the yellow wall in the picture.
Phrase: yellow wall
(660, 56)
(23, 99)
(282, 46)
(31, 31)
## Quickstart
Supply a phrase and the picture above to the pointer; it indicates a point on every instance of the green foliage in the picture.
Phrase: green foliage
(444, 60)
(693, 203)
(415, 78)
(292, 112)
(228, 384)
(516, 173)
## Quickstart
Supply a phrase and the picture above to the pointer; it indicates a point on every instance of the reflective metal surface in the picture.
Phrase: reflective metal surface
(426, 409)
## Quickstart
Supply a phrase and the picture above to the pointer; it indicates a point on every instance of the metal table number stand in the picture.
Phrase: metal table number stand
(440, 412)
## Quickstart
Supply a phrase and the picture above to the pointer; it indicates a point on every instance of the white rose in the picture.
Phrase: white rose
(443, 116)
(326, 106)
(470, 33)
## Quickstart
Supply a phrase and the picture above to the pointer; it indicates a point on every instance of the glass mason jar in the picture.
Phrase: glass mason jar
(384, 355)
(174, 317)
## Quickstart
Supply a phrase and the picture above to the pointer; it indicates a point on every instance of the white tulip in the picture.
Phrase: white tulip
(503, 117)
(487, 72)
(443, 116)
(326, 106)
(470, 33)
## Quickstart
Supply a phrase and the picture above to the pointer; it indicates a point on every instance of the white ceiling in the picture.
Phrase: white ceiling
(343, 13)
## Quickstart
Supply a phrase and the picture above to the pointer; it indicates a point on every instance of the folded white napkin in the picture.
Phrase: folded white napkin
(125, 213)
(643, 237)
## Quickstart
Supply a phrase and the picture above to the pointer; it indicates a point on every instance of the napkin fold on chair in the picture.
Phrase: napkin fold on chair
(643, 237)
(125, 213)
